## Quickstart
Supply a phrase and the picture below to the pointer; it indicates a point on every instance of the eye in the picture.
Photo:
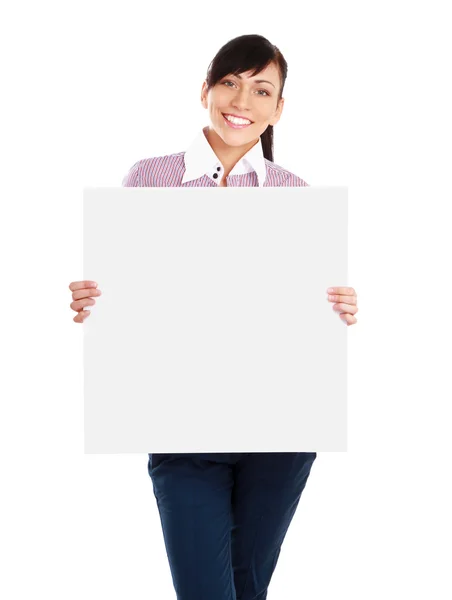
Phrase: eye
(265, 93)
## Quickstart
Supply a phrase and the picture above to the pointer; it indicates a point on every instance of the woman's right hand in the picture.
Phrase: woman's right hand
(82, 292)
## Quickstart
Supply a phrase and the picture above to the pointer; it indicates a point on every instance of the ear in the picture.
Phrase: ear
(278, 112)
(204, 95)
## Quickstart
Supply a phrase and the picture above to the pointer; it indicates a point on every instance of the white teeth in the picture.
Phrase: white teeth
(237, 121)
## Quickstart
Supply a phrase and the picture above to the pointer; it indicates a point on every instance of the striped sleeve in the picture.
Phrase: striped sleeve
(277, 176)
(133, 177)
(294, 181)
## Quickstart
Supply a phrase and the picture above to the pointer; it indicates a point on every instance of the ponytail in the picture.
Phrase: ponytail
(267, 143)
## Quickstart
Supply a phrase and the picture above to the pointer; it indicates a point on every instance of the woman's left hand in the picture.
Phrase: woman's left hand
(346, 303)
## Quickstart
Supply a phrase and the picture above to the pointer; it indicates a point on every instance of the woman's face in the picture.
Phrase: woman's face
(252, 98)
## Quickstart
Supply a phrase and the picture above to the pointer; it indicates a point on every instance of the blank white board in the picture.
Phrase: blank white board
(213, 332)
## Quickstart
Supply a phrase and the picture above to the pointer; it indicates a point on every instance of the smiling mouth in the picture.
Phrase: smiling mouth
(238, 125)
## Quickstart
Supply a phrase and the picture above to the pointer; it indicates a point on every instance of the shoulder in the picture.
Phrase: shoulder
(158, 171)
(277, 176)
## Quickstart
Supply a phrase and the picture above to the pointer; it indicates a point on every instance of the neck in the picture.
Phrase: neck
(229, 156)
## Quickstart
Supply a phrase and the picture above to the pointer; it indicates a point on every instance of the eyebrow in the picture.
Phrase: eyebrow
(259, 81)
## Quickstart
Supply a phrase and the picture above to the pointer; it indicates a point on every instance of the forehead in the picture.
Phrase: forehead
(270, 72)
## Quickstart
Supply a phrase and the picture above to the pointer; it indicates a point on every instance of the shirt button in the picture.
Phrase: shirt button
(215, 175)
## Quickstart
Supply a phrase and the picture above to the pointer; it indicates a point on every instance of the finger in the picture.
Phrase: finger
(346, 299)
(345, 291)
(346, 308)
(79, 305)
(348, 319)
(79, 285)
(81, 316)
(86, 293)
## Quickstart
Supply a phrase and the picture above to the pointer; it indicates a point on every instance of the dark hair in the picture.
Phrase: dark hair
(246, 53)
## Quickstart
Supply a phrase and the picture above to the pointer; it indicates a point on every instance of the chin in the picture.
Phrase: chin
(236, 137)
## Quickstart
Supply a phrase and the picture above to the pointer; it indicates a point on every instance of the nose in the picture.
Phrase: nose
(241, 100)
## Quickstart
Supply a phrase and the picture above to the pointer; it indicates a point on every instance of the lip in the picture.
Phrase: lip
(237, 116)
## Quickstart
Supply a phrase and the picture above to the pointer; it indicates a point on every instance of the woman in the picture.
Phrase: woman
(225, 516)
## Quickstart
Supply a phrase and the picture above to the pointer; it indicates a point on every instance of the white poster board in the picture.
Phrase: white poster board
(213, 332)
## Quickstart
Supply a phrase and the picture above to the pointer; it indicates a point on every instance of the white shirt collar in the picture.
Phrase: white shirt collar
(200, 159)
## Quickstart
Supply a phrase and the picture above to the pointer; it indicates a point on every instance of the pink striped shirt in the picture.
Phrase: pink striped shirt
(199, 166)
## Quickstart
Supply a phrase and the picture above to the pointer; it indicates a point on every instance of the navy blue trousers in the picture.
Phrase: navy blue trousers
(224, 518)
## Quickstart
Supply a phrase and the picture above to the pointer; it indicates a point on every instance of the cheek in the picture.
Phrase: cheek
(261, 113)
(218, 98)
(263, 110)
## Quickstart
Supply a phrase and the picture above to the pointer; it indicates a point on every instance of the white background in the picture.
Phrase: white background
(91, 87)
